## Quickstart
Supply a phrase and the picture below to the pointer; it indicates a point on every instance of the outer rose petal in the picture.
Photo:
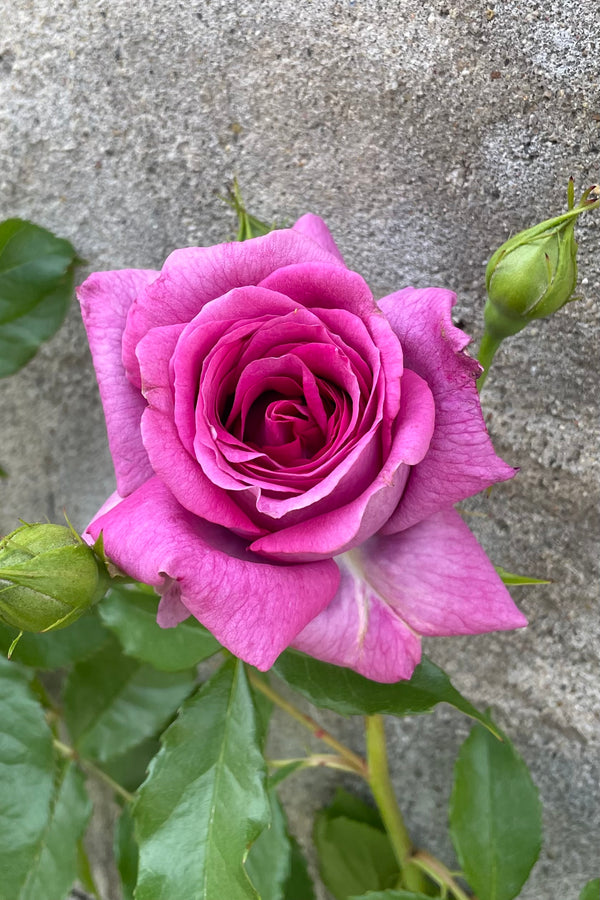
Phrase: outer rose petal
(438, 578)
(315, 228)
(105, 299)
(461, 460)
(359, 631)
(255, 609)
(432, 579)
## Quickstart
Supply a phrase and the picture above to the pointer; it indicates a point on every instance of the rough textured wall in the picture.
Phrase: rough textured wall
(423, 133)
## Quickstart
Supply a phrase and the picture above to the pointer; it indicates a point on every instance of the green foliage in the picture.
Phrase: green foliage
(130, 613)
(511, 579)
(42, 816)
(54, 868)
(269, 861)
(591, 891)
(349, 694)
(36, 286)
(126, 853)
(299, 885)
(355, 854)
(112, 702)
(204, 801)
(56, 649)
(130, 768)
(248, 226)
(391, 895)
(495, 816)
(26, 779)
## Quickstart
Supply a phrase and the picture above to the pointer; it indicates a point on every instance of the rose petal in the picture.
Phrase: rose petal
(315, 228)
(105, 299)
(432, 579)
(322, 285)
(338, 530)
(192, 277)
(461, 460)
(438, 578)
(170, 460)
(253, 608)
(361, 632)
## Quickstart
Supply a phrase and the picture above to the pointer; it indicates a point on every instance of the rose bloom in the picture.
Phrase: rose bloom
(288, 453)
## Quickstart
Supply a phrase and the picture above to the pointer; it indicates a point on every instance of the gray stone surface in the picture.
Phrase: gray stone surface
(424, 133)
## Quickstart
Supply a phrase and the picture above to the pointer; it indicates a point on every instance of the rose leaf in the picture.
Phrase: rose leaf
(204, 801)
(591, 891)
(299, 885)
(54, 869)
(495, 816)
(36, 286)
(269, 861)
(126, 853)
(56, 649)
(112, 702)
(350, 694)
(26, 779)
(355, 855)
(130, 613)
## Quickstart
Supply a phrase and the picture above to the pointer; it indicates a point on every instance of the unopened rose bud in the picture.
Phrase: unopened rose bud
(532, 275)
(48, 577)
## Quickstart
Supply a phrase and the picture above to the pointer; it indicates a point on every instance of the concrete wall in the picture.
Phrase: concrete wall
(423, 133)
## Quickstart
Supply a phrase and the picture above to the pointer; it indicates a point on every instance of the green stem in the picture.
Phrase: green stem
(438, 872)
(383, 792)
(354, 761)
(71, 753)
(315, 760)
(487, 351)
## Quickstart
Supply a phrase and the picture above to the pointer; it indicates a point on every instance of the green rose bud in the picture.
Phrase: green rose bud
(532, 275)
(48, 577)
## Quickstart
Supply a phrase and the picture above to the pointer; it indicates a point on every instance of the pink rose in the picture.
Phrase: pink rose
(288, 453)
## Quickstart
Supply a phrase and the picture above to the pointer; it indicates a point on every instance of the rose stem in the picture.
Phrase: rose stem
(487, 351)
(381, 787)
(315, 760)
(356, 763)
(438, 872)
(71, 753)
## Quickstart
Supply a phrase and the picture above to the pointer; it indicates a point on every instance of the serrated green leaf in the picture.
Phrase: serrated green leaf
(299, 885)
(204, 801)
(126, 853)
(495, 816)
(353, 857)
(591, 891)
(26, 779)
(511, 579)
(349, 694)
(84, 870)
(269, 862)
(130, 613)
(55, 866)
(112, 702)
(56, 649)
(36, 286)
(264, 710)
(391, 895)
(352, 807)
